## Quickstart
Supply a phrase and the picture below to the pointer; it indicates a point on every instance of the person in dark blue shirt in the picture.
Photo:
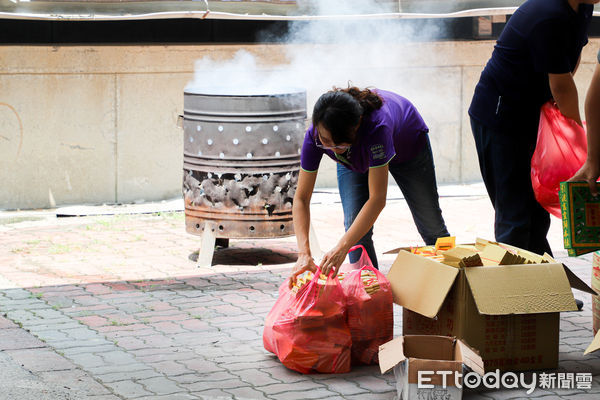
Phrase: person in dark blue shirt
(533, 61)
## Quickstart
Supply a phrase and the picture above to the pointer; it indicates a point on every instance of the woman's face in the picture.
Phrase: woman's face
(324, 136)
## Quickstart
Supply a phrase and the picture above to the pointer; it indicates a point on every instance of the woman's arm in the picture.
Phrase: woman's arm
(378, 178)
(301, 215)
(590, 171)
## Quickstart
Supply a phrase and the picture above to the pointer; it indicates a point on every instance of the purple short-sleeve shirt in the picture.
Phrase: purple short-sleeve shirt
(394, 133)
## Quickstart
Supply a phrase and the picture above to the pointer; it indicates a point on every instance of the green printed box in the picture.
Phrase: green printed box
(580, 217)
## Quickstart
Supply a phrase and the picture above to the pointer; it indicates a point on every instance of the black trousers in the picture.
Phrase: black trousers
(505, 164)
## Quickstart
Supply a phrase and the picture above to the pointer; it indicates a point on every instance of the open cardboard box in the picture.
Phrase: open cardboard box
(509, 313)
(421, 358)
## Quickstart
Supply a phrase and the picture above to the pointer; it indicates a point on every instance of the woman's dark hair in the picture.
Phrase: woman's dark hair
(339, 111)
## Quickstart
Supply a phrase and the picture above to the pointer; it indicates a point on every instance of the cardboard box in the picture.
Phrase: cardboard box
(418, 357)
(509, 313)
(596, 287)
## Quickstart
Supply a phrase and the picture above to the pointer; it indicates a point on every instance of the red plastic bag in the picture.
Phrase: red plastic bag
(560, 151)
(370, 312)
(363, 261)
(307, 330)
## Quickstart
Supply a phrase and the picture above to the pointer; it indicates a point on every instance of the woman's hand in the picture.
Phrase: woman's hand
(589, 172)
(304, 263)
(333, 259)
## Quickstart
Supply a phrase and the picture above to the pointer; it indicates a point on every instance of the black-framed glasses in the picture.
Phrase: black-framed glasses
(319, 143)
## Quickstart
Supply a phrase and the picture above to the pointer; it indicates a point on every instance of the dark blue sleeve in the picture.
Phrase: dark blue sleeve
(549, 45)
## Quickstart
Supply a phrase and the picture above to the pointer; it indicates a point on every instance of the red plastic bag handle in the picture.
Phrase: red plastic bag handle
(356, 247)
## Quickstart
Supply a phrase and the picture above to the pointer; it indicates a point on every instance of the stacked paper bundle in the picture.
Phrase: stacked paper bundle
(370, 312)
(306, 277)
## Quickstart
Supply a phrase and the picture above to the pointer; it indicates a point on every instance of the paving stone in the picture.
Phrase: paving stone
(87, 361)
(58, 326)
(6, 323)
(130, 343)
(195, 325)
(258, 357)
(131, 375)
(136, 330)
(81, 333)
(256, 377)
(14, 339)
(283, 374)
(170, 368)
(283, 387)
(21, 316)
(343, 386)
(50, 335)
(158, 341)
(109, 369)
(173, 396)
(474, 396)
(26, 304)
(118, 357)
(128, 389)
(75, 379)
(89, 349)
(88, 300)
(167, 327)
(75, 344)
(201, 366)
(38, 360)
(247, 393)
(17, 294)
(171, 355)
(375, 385)
(131, 308)
(373, 396)
(48, 314)
(206, 377)
(307, 394)
(206, 385)
(213, 394)
(206, 339)
(160, 385)
(583, 396)
(93, 320)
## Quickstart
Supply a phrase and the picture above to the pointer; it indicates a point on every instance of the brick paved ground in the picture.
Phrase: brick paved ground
(112, 307)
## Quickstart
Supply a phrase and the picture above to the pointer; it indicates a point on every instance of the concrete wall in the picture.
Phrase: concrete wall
(94, 124)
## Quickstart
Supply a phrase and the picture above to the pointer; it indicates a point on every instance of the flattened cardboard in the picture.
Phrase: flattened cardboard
(419, 284)
(391, 353)
(521, 289)
(595, 345)
(574, 280)
(577, 283)
(397, 250)
(469, 357)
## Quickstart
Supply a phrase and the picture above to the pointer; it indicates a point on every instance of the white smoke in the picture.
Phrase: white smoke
(320, 54)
